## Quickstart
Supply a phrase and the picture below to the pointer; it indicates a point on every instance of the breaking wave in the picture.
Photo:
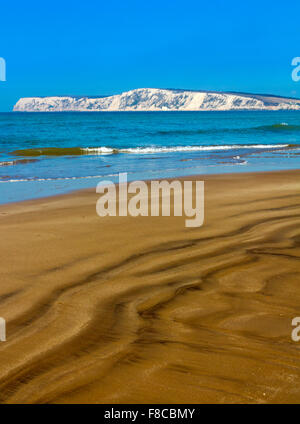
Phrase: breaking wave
(103, 150)
(283, 126)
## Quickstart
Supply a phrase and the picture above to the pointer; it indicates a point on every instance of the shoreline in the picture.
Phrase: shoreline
(145, 310)
(194, 177)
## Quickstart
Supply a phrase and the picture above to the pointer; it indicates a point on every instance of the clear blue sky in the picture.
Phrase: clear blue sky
(95, 47)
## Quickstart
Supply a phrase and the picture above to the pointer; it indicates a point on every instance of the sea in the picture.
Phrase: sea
(44, 154)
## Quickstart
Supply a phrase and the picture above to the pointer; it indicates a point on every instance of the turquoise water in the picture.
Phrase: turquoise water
(42, 154)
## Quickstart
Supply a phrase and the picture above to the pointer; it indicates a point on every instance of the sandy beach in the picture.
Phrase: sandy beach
(145, 310)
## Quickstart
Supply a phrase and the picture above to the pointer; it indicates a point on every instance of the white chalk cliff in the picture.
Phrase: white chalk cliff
(155, 99)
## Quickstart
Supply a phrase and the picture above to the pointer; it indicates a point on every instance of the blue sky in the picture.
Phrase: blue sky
(105, 47)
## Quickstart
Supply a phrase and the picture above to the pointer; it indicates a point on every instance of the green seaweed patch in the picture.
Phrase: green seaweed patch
(64, 151)
(50, 151)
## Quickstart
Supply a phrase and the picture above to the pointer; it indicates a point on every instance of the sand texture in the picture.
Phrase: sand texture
(145, 310)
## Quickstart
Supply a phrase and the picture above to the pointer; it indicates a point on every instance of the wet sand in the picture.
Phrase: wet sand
(145, 310)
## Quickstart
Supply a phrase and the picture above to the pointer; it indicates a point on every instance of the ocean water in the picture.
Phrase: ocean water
(43, 154)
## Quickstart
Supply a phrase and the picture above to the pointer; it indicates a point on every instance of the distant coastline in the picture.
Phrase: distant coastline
(155, 99)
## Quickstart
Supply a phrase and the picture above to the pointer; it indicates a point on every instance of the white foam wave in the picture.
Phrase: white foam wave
(147, 150)
(99, 150)
(7, 163)
(57, 179)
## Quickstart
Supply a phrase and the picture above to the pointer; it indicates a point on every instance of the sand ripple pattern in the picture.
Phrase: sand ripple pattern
(145, 310)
